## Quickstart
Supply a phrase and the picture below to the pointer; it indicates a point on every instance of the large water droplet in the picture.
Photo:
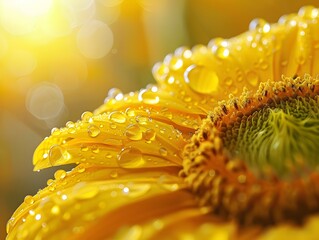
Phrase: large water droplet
(130, 158)
(133, 132)
(117, 117)
(93, 131)
(57, 153)
(201, 79)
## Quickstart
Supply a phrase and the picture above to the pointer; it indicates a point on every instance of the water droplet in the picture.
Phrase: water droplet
(201, 79)
(133, 233)
(130, 112)
(228, 81)
(81, 169)
(163, 151)
(115, 93)
(86, 116)
(70, 124)
(59, 174)
(259, 25)
(130, 158)
(108, 155)
(114, 174)
(263, 65)
(219, 47)
(84, 148)
(175, 63)
(56, 154)
(95, 149)
(170, 187)
(142, 120)
(28, 199)
(55, 210)
(85, 190)
(133, 132)
(10, 225)
(160, 71)
(252, 78)
(149, 135)
(138, 190)
(55, 131)
(117, 117)
(93, 130)
(148, 97)
(308, 12)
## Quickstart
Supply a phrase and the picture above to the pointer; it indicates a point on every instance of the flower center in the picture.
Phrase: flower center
(282, 137)
(255, 158)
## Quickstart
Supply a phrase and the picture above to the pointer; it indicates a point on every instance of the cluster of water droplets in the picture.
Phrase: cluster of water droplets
(69, 196)
(204, 74)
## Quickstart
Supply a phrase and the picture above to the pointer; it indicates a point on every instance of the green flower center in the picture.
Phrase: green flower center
(282, 138)
(255, 158)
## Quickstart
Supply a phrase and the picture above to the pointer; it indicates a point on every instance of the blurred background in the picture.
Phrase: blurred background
(59, 58)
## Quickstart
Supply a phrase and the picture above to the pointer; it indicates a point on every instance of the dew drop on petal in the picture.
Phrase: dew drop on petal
(142, 120)
(28, 199)
(10, 225)
(252, 78)
(55, 154)
(149, 135)
(138, 190)
(86, 116)
(148, 97)
(60, 174)
(163, 151)
(175, 63)
(133, 132)
(93, 131)
(85, 190)
(259, 25)
(117, 117)
(130, 157)
(114, 174)
(228, 81)
(201, 79)
(160, 71)
(308, 12)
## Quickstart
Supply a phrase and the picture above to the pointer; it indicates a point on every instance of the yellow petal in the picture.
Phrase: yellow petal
(204, 75)
(126, 133)
(84, 200)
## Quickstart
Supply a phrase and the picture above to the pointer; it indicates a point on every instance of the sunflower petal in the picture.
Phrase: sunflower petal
(205, 75)
(138, 136)
(80, 199)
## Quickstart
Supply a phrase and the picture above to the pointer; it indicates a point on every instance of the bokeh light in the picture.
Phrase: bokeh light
(95, 39)
(45, 101)
(59, 58)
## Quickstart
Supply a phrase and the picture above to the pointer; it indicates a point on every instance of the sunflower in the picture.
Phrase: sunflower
(224, 146)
